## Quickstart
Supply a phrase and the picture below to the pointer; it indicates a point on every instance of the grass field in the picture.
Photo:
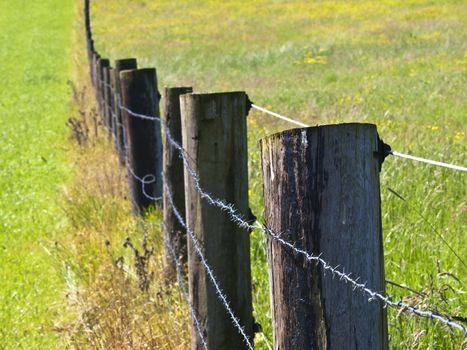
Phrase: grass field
(399, 64)
(34, 105)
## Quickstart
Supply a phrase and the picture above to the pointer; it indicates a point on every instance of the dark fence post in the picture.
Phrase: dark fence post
(101, 64)
(214, 137)
(107, 95)
(321, 193)
(139, 95)
(173, 173)
(113, 107)
(121, 65)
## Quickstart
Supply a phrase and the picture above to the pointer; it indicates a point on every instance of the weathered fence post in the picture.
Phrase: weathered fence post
(139, 95)
(101, 64)
(113, 107)
(95, 59)
(121, 65)
(106, 104)
(173, 171)
(321, 193)
(214, 137)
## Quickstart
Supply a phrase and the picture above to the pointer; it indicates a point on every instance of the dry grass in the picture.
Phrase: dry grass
(113, 261)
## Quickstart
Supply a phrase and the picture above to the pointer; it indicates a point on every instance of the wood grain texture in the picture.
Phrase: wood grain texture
(321, 190)
(106, 100)
(214, 137)
(101, 64)
(139, 94)
(173, 170)
(121, 65)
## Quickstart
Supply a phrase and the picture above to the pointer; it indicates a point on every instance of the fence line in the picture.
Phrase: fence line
(234, 215)
(144, 182)
(243, 223)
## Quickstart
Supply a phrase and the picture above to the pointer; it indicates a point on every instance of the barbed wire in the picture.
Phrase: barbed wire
(234, 215)
(230, 209)
(152, 178)
(184, 290)
(203, 260)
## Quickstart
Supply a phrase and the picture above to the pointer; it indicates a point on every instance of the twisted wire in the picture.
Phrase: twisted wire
(184, 289)
(203, 260)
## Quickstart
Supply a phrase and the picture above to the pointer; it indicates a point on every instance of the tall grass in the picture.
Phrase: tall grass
(399, 64)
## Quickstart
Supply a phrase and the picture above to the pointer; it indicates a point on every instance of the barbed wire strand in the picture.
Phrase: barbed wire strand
(184, 290)
(203, 260)
(144, 181)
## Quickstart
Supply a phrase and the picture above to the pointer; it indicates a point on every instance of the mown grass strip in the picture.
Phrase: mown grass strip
(34, 97)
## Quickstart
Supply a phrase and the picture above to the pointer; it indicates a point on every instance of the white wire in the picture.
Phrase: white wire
(428, 161)
(394, 153)
(277, 115)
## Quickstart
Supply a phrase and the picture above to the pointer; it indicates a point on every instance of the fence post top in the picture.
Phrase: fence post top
(126, 64)
(103, 62)
(138, 72)
(318, 128)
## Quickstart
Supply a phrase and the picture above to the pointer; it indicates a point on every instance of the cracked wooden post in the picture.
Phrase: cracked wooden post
(214, 137)
(121, 65)
(139, 95)
(173, 171)
(321, 192)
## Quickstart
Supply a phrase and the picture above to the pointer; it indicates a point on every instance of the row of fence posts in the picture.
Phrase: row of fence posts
(321, 192)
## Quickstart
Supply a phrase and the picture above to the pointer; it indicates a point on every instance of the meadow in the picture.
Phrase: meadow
(34, 166)
(66, 279)
(399, 64)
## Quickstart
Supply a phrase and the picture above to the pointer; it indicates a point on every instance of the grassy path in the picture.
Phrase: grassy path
(35, 64)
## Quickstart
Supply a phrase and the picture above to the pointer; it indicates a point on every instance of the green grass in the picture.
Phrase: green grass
(399, 64)
(35, 65)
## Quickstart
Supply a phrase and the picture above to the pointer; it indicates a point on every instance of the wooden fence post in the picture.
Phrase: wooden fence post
(321, 192)
(95, 59)
(101, 64)
(113, 107)
(121, 65)
(106, 99)
(139, 95)
(214, 137)
(173, 172)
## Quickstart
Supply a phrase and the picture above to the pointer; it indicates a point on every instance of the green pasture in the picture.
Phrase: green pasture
(35, 56)
(399, 64)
